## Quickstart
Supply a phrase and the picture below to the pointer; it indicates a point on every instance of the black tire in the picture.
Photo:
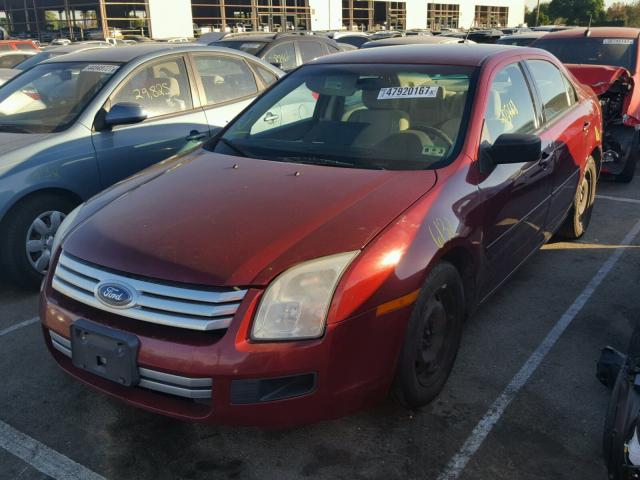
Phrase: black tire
(432, 338)
(14, 260)
(629, 170)
(579, 217)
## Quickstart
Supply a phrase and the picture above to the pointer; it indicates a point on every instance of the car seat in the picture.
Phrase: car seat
(381, 117)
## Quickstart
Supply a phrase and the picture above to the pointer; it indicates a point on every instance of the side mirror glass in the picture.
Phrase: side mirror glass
(515, 148)
(125, 113)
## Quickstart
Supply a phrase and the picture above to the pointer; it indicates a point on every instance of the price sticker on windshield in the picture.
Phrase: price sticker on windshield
(108, 69)
(408, 92)
(618, 41)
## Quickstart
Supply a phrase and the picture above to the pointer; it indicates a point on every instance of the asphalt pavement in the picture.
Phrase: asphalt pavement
(550, 427)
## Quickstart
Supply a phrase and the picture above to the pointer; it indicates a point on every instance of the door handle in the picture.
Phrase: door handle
(270, 117)
(585, 126)
(195, 136)
(545, 158)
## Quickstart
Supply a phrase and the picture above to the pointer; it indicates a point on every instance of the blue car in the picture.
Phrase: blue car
(76, 124)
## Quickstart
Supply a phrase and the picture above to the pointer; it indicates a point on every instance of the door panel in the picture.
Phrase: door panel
(566, 122)
(162, 87)
(517, 195)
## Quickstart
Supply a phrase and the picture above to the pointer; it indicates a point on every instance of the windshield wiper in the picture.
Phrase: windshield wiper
(318, 161)
(235, 147)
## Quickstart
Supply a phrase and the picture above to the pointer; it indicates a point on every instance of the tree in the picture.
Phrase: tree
(543, 19)
(577, 12)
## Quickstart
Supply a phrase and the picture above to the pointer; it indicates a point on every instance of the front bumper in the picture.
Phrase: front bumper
(225, 378)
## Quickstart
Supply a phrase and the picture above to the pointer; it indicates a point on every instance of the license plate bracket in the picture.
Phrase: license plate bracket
(103, 351)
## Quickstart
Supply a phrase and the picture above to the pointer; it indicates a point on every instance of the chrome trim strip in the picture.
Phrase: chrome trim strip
(154, 288)
(193, 309)
(144, 315)
(173, 390)
(178, 385)
(175, 379)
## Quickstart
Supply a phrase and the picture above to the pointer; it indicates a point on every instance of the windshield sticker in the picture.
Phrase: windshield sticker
(434, 151)
(408, 92)
(618, 41)
(108, 69)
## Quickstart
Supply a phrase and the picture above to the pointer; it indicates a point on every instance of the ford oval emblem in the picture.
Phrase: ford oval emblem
(115, 295)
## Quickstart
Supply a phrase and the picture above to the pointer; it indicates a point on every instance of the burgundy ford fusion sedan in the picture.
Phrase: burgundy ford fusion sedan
(327, 246)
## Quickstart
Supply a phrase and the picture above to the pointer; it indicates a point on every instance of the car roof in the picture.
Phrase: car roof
(412, 39)
(595, 32)
(443, 54)
(270, 37)
(126, 54)
(74, 47)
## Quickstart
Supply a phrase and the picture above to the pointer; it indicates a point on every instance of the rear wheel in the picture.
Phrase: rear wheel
(27, 237)
(632, 160)
(432, 338)
(579, 216)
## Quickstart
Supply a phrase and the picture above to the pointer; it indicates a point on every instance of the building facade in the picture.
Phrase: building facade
(88, 19)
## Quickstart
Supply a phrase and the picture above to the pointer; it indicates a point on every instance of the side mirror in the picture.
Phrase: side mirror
(124, 113)
(515, 148)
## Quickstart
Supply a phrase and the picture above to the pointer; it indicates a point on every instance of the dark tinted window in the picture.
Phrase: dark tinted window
(284, 55)
(310, 50)
(247, 46)
(619, 52)
(552, 87)
(224, 78)
(509, 105)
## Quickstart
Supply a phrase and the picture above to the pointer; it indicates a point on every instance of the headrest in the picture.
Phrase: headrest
(337, 84)
(174, 86)
(494, 105)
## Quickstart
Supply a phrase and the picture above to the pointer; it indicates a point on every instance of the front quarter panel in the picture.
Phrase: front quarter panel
(64, 161)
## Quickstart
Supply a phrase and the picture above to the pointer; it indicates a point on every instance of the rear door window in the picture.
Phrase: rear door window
(161, 88)
(224, 78)
(283, 55)
(552, 86)
(310, 50)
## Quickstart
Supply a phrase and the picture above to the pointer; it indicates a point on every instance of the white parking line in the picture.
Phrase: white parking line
(26, 323)
(41, 457)
(460, 460)
(618, 199)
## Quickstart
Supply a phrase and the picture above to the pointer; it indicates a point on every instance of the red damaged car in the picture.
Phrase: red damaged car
(606, 59)
(325, 248)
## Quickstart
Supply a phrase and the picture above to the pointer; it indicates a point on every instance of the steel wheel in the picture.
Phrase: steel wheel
(40, 239)
(436, 335)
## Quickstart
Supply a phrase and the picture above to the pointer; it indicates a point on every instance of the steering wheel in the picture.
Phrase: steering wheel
(434, 132)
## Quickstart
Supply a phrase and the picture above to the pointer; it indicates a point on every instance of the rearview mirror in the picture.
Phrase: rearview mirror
(125, 113)
(515, 148)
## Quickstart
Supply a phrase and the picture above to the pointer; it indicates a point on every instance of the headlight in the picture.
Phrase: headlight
(296, 303)
(64, 227)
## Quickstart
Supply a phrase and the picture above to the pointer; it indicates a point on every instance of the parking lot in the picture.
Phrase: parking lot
(546, 424)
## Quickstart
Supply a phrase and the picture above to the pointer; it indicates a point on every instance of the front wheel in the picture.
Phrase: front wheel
(27, 237)
(579, 216)
(432, 338)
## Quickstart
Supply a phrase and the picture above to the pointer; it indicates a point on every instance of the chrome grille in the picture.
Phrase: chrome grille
(195, 309)
(152, 379)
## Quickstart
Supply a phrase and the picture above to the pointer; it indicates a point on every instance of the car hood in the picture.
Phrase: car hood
(10, 142)
(599, 77)
(213, 219)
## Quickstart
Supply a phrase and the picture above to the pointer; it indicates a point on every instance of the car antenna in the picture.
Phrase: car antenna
(466, 36)
(587, 32)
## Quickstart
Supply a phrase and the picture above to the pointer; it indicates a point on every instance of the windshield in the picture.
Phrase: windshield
(247, 46)
(395, 117)
(617, 52)
(35, 60)
(50, 96)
